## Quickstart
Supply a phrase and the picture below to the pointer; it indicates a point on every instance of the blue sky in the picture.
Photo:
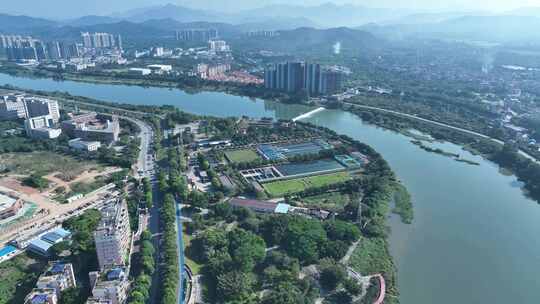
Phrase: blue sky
(76, 8)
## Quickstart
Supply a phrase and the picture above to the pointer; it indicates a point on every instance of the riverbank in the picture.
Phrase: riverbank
(189, 84)
(504, 155)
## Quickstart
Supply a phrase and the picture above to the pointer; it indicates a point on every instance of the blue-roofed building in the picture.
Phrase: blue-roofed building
(115, 274)
(62, 232)
(41, 296)
(40, 247)
(52, 237)
(282, 208)
(56, 236)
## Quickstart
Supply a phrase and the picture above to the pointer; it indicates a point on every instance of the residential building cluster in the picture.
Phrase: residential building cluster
(294, 77)
(197, 35)
(212, 72)
(262, 33)
(19, 48)
(218, 46)
(101, 41)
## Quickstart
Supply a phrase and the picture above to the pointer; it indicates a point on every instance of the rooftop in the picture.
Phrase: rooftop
(6, 202)
(41, 245)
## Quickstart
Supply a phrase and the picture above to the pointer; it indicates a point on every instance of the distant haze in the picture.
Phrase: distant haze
(66, 9)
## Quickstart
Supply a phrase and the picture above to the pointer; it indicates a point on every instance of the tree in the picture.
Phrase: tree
(70, 296)
(285, 293)
(207, 243)
(332, 273)
(304, 239)
(340, 230)
(234, 285)
(352, 287)
(246, 249)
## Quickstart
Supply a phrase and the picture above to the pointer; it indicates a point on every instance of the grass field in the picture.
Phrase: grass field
(334, 201)
(242, 156)
(44, 162)
(279, 188)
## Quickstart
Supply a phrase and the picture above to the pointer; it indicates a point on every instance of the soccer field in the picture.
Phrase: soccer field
(241, 156)
(280, 188)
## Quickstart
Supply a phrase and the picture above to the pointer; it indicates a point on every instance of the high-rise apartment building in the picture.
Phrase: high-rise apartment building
(101, 40)
(113, 235)
(196, 35)
(295, 77)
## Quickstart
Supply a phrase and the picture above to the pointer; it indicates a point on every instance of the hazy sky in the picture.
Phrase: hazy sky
(75, 8)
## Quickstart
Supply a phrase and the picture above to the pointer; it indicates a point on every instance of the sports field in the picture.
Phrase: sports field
(280, 188)
(241, 156)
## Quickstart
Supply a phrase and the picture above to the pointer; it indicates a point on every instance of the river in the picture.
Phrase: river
(473, 236)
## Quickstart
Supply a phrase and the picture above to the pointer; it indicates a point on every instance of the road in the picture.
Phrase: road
(144, 168)
(180, 244)
(144, 165)
(521, 152)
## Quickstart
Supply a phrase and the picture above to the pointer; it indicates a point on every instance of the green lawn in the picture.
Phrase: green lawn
(280, 188)
(334, 201)
(242, 156)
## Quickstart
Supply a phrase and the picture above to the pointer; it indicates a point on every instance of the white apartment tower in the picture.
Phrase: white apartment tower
(113, 235)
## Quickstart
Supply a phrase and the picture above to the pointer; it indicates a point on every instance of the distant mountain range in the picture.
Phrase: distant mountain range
(517, 25)
(498, 29)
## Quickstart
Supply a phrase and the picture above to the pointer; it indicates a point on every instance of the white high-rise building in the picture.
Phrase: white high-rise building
(113, 235)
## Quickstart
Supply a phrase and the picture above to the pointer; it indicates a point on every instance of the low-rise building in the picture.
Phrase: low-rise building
(12, 107)
(81, 145)
(160, 68)
(260, 206)
(41, 296)
(93, 127)
(43, 244)
(60, 276)
(16, 106)
(111, 285)
(139, 71)
(113, 235)
(41, 127)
